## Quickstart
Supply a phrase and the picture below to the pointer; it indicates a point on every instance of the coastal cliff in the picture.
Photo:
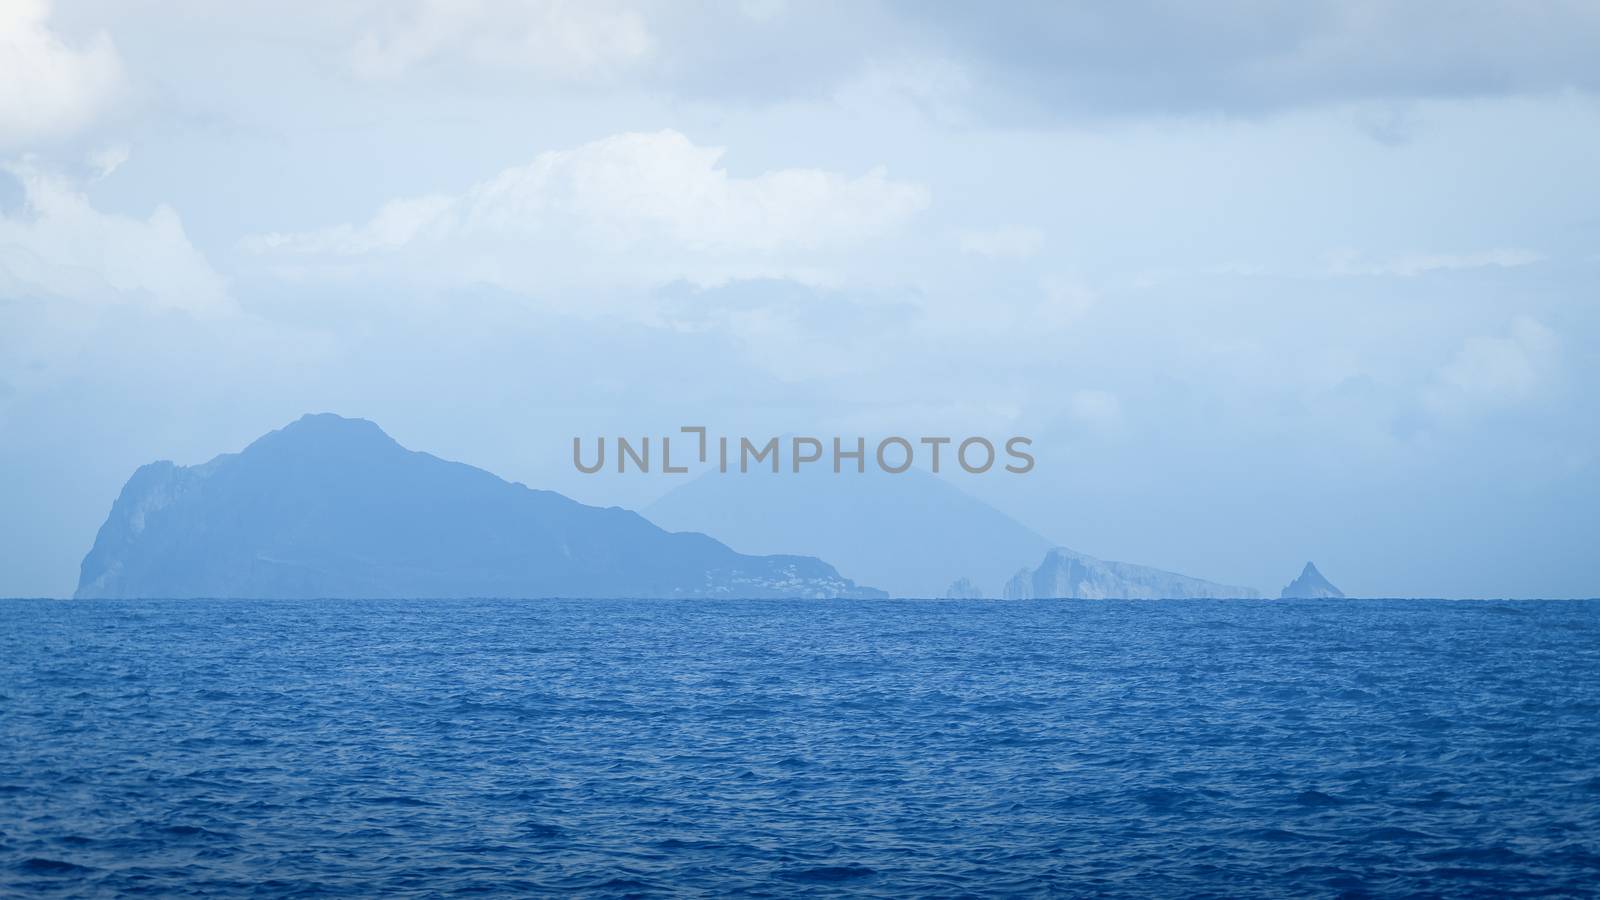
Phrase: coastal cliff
(1066, 573)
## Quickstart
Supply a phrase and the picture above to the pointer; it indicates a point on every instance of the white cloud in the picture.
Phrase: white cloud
(48, 88)
(107, 160)
(1492, 373)
(939, 89)
(58, 245)
(632, 207)
(394, 225)
(1009, 242)
(1421, 264)
(557, 39)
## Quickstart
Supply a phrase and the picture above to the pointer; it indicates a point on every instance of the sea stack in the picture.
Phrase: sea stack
(1310, 586)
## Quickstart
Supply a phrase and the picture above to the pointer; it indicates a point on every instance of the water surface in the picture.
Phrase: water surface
(887, 748)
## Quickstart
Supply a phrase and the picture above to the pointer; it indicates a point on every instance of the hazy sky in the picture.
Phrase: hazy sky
(1265, 282)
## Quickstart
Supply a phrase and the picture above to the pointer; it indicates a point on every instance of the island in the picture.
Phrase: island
(331, 507)
(1068, 574)
(1310, 586)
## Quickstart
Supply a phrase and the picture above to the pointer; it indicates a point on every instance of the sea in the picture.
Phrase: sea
(854, 748)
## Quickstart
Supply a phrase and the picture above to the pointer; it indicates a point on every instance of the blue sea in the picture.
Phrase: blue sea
(894, 748)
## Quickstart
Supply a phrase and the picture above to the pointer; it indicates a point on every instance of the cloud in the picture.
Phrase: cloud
(395, 224)
(1494, 373)
(107, 160)
(796, 332)
(1021, 62)
(1009, 242)
(631, 207)
(47, 88)
(1420, 264)
(57, 245)
(1245, 57)
(557, 39)
(937, 89)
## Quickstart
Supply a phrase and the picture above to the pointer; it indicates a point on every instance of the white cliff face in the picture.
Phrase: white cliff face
(1068, 574)
(1019, 586)
(1310, 586)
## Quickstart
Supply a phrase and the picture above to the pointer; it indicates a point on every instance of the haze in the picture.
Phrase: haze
(1263, 284)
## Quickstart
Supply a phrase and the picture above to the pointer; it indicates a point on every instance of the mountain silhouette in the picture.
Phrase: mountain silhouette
(333, 507)
(1309, 586)
(913, 533)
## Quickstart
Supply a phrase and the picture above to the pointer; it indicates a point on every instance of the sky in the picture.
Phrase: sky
(1263, 282)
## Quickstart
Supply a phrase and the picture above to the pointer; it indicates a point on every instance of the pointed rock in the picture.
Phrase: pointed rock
(1310, 586)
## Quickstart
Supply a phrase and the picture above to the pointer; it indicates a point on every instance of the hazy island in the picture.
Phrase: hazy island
(331, 507)
(334, 507)
(1310, 586)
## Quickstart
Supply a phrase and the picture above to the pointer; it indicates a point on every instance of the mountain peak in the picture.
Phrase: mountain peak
(324, 434)
(1309, 586)
(328, 506)
(911, 533)
(326, 423)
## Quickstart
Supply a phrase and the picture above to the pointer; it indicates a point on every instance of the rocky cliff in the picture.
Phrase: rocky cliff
(1067, 573)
